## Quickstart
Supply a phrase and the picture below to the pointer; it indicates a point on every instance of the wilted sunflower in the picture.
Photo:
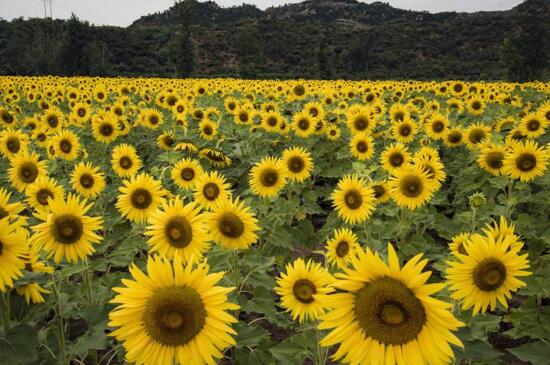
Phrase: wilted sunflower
(304, 289)
(267, 177)
(173, 314)
(395, 156)
(42, 191)
(525, 161)
(341, 248)
(178, 229)
(216, 157)
(411, 187)
(362, 146)
(186, 172)
(67, 232)
(491, 158)
(456, 246)
(488, 272)
(210, 187)
(12, 141)
(298, 163)
(186, 146)
(353, 199)
(13, 243)
(232, 225)
(25, 169)
(125, 161)
(87, 180)
(386, 313)
(66, 144)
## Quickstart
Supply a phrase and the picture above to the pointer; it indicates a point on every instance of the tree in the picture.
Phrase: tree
(73, 54)
(325, 67)
(359, 57)
(183, 54)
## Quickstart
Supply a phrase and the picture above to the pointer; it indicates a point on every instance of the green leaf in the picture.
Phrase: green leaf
(537, 353)
(18, 347)
(295, 349)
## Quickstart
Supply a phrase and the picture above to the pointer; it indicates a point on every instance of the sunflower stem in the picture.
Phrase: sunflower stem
(509, 205)
(473, 221)
(402, 232)
(5, 309)
(368, 234)
(60, 322)
(87, 279)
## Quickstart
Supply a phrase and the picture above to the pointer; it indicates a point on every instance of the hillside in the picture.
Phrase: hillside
(315, 38)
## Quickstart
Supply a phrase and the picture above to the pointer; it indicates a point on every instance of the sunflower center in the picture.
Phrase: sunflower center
(211, 191)
(141, 198)
(125, 162)
(65, 146)
(455, 137)
(304, 290)
(362, 146)
(173, 316)
(389, 312)
(67, 229)
(299, 90)
(476, 105)
(405, 130)
(187, 174)
(169, 141)
(411, 186)
(360, 123)
(342, 248)
(243, 117)
(272, 121)
(396, 159)
(296, 164)
(533, 125)
(53, 121)
(494, 159)
(43, 195)
(489, 274)
(13, 144)
(87, 181)
(438, 126)
(353, 199)
(230, 225)
(477, 136)
(179, 232)
(399, 116)
(28, 172)
(461, 249)
(81, 112)
(154, 120)
(303, 124)
(378, 191)
(269, 177)
(106, 129)
(526, 162)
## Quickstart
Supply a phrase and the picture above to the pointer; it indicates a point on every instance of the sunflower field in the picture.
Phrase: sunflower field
(225, 221)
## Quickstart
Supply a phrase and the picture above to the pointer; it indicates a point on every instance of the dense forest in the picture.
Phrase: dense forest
(326, 39)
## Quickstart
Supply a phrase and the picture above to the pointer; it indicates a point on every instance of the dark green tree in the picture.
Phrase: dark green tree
(182, 49)
(73, 54)
(359, 56)
(323, 61)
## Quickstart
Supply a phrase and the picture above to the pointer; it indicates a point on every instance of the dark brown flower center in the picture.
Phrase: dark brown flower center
(125, 162)
(296, 164)
(13, 144)
(411, 186)
(65, 146)
(179, 232)
(489, 275)
(342, 248)
(494, 159)
(141, 198)
(211, 191)
(187, 174)
(28, 172)
(43, 195)
(304, 290)
(269, 177)
(526, 162)
(230, 225)
(67, 229)
(86, 180)
(353, 199)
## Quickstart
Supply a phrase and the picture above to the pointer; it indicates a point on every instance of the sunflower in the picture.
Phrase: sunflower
(13, 242)
(304, 289)
(341, 248)
(166, 141)
(186, 172)
(216, 157)
(271, 120)
(87, 180)
(298, 163)
(10, 210)
(399, 112)
(362, 146)
(395, 156)
(476, 106)
(242, 115)
(456, 246)
(476, 134)
(210, 187)
(491, 158)
(502, 229)
(433, 167)
(105, 128)
(360, 119)
(7, 118)
(125, 161)
(387, 313)
(533, 125)
(437, 126)
(178, 229)
(151, 118)
(488, 272)
(267, 177)
(12, 141)
(140, 197)
(208, 129)
(81, 113)
(411, 187)
(67, 232)
(455, 105)
(303, 124)
(42, 191)
(173, 314)
(53, 119)
(353, 200)
(232, 225)
(454, 138)
(32, 293)
(25, 169)
(525, 161)
(381, 191)
(404, 131)
(66, 144)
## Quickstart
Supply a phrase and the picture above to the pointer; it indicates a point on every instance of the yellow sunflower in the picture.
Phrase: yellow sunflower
(87, 180)
(12, 141)
(186, 173)
(341, 248)
(395, 156)
(304, 289)
(411, 187)
(404, 131)
(140, 197)
(353, 199)
(105, 128)
(42, 192)
(10, 210)
(525, 161)
(13, 243)
(381, 191)
(454, 138)
(232, 225)
(476, 134)
(303, 124)
(533, 125)
(125, 160)
(67, 232)
(208, 129)
(210, 187)
(25, 169)
(386, 313)
(456, 246)
(488, 272)
(173, 314)
(298, 163)
(491, 158)
(178, 229)
(66, 144)
(362, 146)
(267, 177)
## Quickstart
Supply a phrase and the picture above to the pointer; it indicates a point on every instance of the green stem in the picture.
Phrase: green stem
(60, 321)
(5, 308)
(87, 279)
(402, 232)
(473, 222)
(509, 205)
(368, 234)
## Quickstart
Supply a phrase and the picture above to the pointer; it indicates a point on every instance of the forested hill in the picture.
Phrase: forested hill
(313, 39)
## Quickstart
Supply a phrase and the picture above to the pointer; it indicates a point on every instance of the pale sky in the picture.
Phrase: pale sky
(124, 12)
